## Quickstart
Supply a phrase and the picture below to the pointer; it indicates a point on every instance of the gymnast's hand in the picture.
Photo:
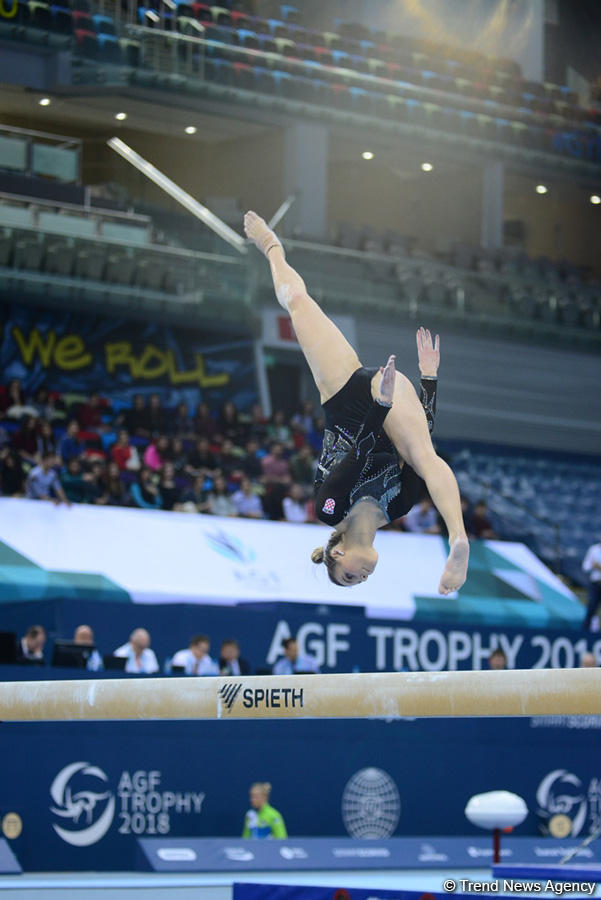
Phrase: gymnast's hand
(428, 352)
(387, 381)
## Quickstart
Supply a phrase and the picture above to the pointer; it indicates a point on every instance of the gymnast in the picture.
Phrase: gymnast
(365, 479)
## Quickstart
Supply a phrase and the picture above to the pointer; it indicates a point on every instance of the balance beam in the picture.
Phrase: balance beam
(537, 692)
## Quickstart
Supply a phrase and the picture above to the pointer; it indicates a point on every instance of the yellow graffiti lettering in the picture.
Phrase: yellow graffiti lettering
(9, 13)
(118, 354)
(71, 353)
(34, 344)
(205, 380)
(144, 367)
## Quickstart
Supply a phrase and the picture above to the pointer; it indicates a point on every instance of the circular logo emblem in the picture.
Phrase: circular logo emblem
(560, 826)
(562, 795)
(12, 825)
(80, 796)
(371, 806)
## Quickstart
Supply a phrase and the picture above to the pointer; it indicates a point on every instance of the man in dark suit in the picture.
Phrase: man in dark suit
(30, 648)
(230, 662)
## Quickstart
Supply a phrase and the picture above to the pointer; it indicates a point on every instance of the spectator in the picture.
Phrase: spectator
(422, 518)
(196, 659)
(219, 502)
(592, 566)
(12, 476)
(303, 420)
(302, 466)
(250, 463)
(45, 439)
(588, 661)
(136, 419)
(84, 636)
(292, 662)
(230, 662)
(25, 440)
(257, 424)
(465, 512)
(229, 424)
(229, 460)
(140, 658)
(204, 423)
(481, 526)
(125, 454)
(180, 423)
(170, 492)
(12, 396)
(114, 492)
(73, 483)
(45, 405)
(315, 437)
(90, 414)
(497, 659)
(70, 447)
(43, 483)
(178, 456)
(194, 498)
(144, 492)
(262, 820)
(202, 461)
(157, 453)
(30, 648)
(278, 430)
(276, 469)
(157, 419)
(247, 502)
(295, 505)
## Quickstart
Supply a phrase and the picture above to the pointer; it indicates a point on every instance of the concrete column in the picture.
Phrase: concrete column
(491, 233)
(306, 176)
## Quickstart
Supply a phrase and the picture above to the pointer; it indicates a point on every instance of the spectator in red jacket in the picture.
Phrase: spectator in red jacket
(124, 454)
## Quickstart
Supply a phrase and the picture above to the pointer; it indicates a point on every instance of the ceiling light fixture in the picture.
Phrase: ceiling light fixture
(427, 167)
(367, 154)
(45, 101)
(595, 199)
(190, 129)
(541, 188)
(121, 116)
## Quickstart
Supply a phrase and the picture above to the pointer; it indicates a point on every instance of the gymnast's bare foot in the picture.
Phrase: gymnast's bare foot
(258, 231)
(455, 571)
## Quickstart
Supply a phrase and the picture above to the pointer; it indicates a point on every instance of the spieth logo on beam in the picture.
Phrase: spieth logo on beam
(262, 698)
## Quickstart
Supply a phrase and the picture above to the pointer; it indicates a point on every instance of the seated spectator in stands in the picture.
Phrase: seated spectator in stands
(157, 415)
(30, 649)
(12, 396)
(292, 662)
(219, 501)
(466, 514)
(256, 427)
(136, 419)
(303, 419)
(25, 440)
(230, 661)
(262, 820)
(125, 454)
(422, 518)
(201, 461)
(196, 659)
(591, 564)
(178, 456)
(276, 469)
(12, 476)
(72, 480)
(230, 460)
(43, 483)
(70, 447)
(295, 505)
(180, 423)
(497, 659)
(114, 491)
(91, 413)
(157, 453)
(588, 661)
(315, 437)
(84, 636)
(45, 405)
(45, 439)
(302, 466)
(251, 461)
(194, 498)
(170, 492)
(279, 430)
(229, 424)
(140, 658)
(204, 423)
(247, 502)
(144, 492)
(481, 526)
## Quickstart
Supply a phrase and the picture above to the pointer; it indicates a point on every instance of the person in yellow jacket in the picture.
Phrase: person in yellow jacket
(262, 820)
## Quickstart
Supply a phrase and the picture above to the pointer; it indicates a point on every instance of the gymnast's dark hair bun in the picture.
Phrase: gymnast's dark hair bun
(317, 555)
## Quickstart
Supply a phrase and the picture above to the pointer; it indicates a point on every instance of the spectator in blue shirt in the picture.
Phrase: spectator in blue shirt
(145, 493)
(70, 447)
(43, 482)
(293, 662)
(85, 637)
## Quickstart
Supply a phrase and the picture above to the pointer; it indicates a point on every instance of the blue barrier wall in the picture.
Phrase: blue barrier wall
(87, 791)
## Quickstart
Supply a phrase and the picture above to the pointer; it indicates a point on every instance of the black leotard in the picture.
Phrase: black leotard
(358, 460)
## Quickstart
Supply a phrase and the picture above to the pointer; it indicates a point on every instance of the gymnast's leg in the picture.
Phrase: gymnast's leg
(407, 428)
(331, 358)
